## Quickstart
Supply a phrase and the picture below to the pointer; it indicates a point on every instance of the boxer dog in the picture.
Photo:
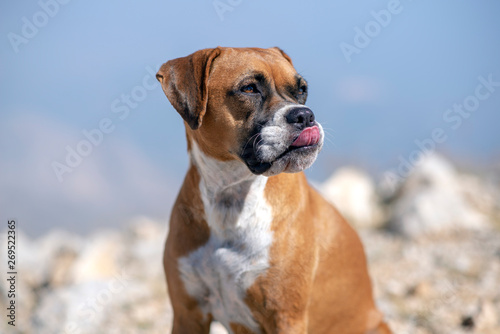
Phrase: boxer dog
(251, 244)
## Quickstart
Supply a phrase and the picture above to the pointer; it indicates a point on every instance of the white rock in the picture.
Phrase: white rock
(432, 200)
(146, 240)
(75, 309)
(353, 193)
(487, 317)
(41, 258)
(100, 258)
(483, 196)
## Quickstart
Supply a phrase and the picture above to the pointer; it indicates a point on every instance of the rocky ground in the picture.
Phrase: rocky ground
(437, 284)
(433, 244)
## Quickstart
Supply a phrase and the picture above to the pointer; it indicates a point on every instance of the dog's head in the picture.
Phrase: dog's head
(246, 104)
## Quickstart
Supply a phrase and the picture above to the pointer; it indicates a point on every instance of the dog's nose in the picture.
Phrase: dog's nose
(302, 116)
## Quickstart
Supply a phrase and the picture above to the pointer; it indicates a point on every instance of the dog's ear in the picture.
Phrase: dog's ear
(184, 81)
(283, 53)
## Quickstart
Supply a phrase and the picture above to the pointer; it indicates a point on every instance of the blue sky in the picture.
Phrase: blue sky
(79, 64)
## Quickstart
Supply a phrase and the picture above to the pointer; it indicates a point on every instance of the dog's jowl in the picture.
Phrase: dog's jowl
(251, 244)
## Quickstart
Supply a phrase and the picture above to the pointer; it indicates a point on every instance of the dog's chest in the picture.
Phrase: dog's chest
(218, 273)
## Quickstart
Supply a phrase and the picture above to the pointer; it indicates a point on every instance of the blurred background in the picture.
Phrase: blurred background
(92, 154)
(66, 67)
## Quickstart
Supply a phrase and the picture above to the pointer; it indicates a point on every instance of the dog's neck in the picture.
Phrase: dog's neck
(229, 191)
(221, 176)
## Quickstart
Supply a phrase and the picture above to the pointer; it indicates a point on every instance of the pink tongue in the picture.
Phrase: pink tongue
(308, 136)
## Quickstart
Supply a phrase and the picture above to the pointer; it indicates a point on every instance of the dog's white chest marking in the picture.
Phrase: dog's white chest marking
(218, 273)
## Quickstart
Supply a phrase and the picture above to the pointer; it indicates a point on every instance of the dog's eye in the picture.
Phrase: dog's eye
(250, 89)
(302, 90)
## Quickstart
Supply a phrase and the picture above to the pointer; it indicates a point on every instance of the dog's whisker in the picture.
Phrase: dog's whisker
(248, 141)
(253, 146)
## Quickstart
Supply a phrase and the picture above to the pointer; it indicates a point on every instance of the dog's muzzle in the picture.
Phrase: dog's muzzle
(288, 142)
